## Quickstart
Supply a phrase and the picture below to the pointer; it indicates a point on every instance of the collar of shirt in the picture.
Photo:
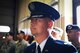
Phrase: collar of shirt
(42, 44)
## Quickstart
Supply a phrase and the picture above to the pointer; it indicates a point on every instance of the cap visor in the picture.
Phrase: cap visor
(29, 18)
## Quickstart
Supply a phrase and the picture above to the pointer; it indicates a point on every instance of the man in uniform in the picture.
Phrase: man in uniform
(21, 44)
(9, 44)
(42, 19)
(73, 35)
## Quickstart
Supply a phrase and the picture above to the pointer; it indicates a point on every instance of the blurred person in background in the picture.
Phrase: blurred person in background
(22, 43)
(9, 44)
(57, 33)
(73, 35)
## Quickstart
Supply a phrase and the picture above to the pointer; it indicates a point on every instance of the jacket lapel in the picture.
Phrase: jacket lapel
(33, 48)
(46, 47)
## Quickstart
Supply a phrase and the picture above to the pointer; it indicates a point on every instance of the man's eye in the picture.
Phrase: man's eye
(36, 19)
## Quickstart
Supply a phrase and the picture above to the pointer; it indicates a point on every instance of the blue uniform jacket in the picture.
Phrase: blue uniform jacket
(53, 46)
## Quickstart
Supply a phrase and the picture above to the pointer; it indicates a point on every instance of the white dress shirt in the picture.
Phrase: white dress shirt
(41, 45)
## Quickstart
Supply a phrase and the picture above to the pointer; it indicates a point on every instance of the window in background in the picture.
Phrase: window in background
(78, 15)
(4, 29)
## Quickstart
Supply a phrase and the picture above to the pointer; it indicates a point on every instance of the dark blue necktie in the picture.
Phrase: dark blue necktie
(39, 49)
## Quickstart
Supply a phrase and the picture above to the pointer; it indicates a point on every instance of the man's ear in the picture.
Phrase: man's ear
(50, 24)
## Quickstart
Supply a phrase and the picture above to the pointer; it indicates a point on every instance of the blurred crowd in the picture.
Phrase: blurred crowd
(9, 45)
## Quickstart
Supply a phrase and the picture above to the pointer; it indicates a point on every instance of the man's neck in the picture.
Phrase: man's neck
(41, 38)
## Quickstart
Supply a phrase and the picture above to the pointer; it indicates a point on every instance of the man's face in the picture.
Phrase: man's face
(72, 35)
(20, 36)
(9, 37)
(38, 25)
